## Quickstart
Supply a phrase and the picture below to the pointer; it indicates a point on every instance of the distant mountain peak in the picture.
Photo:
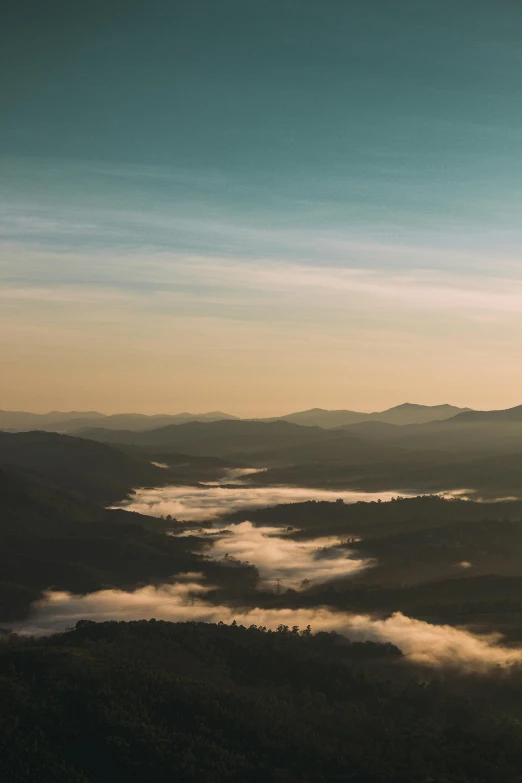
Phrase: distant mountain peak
(417, 406)
(414, 413)
(406, 413)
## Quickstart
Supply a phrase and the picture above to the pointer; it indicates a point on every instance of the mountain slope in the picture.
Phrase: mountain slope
(497, 416)
(20, 420)
(399, 415)
(138, 422)
(50, 538)
(318, 417)
(94, 471)
(471, 432)
(201, 703)
(74, 422)
(409, 413)
(220, 438)
(346, 450)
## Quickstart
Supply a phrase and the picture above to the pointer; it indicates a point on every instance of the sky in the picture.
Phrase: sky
(260, 206)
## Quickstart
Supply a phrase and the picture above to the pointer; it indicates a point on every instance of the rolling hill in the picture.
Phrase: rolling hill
(74, 422)
(93, 471)
(21, 420)
(407, 413)
(237, 439)
(498, 416)
(203, 703)
(480, 432)
(51, 538)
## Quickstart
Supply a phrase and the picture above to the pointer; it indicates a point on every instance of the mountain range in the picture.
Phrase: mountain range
(72, 422)
(476, 450)
(75, 421)
(407, 413)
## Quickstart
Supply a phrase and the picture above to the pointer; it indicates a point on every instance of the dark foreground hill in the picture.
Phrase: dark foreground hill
(50, 538)
(196, 703)
(94, 471)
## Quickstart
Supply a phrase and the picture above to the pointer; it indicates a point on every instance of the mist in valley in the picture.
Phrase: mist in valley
(260, 409)
(420, 642)
(199, 503)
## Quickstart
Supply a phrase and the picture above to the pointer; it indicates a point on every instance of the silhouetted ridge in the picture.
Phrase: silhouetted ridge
(202, 703)
(407, 413)
(507, 415)
(236, 438)
(95, 471)
(74, 421)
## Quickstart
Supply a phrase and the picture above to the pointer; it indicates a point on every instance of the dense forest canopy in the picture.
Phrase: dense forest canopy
(214, 703)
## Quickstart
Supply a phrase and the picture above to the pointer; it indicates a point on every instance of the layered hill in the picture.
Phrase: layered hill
(202, 703)
(472, 431)
(495, 416)
(221, 438)
(407, 413)
(469, 434)
(93, 471)
(51, 538)
(22, 420)
(74, 422)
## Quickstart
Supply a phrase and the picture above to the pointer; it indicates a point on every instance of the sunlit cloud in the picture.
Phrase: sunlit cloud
(372, 281)
(421, 642)
(255, 311)
(279, 558)
(196, 504)
(162, 277)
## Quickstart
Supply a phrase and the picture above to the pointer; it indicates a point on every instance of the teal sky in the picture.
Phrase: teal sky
(260, 206)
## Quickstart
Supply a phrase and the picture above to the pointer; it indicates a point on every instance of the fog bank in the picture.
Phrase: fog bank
(199, 503)
(278, 557)
(420, 642)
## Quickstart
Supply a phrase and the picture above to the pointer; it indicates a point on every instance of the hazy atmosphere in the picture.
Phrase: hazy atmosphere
(261, 391)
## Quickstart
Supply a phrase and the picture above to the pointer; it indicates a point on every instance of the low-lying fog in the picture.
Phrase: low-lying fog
(198, 503)
(420, 642)
(278, 557)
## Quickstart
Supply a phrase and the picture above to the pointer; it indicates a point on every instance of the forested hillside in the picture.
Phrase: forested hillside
(213, 704)
(50, 538)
